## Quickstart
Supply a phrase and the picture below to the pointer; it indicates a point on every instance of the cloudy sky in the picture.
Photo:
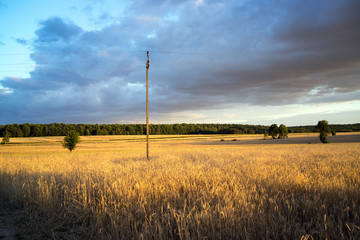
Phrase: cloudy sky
(211, 61)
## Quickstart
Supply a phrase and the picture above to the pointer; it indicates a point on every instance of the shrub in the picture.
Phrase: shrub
(323, 128)
(273, 131)
(283, 131)
(71, 139)
(6, 138)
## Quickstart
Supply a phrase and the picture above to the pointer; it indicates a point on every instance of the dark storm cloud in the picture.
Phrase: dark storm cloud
(79, 76)
(203, 55)
(55, 29)
(295, 51)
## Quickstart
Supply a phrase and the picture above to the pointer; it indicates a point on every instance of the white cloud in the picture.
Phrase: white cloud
(199, 2)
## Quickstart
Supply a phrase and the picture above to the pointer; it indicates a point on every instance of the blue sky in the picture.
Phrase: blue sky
(252, 62)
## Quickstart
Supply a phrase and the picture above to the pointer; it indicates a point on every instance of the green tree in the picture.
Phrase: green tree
(37, 130)
(283, 131)
(6, 138)
(26, 130)
(273, 131)
(55, 129)
(14, 130)
(96, 130)
(251, 131)
(80, 129)
(323, 128)
(72, 138)
(68, 128)
(104, 132)
(87, 132)
(45, 130)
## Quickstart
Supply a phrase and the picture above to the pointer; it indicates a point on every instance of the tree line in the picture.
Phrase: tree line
(62, 129)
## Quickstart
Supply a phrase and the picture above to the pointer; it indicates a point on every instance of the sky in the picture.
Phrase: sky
(222, 61)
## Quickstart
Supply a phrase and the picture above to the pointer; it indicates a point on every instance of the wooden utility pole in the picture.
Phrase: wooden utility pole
(147, 106)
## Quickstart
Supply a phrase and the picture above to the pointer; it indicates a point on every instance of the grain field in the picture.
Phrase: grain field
(193, 188)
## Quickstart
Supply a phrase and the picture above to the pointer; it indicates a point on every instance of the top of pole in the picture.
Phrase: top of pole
(148, 62)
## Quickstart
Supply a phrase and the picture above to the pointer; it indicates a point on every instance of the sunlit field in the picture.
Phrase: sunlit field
(193, 187)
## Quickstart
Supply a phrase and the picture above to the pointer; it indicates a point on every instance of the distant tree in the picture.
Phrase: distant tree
(55, 129)
(45, 130)
(96, 130)
(273, 131)
(283, 131)
(87, 132)
(251, 131)
(103, 132)
(6, 138)
(14, 130)
(26, 130)
(19, 132)
(68, 128)
(333, 132)
(108, 128)
(80, 129)
(131, 130)
(323, 128)
(37, 130)
(72, 138)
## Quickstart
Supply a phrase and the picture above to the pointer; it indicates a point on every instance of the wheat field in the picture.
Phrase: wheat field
(194, 187)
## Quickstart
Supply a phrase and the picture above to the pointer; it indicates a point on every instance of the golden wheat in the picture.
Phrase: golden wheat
(189, 190)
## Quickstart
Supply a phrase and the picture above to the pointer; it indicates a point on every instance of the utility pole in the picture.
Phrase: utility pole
(147, 106)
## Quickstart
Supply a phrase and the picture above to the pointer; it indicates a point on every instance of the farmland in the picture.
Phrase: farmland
(194, 187)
